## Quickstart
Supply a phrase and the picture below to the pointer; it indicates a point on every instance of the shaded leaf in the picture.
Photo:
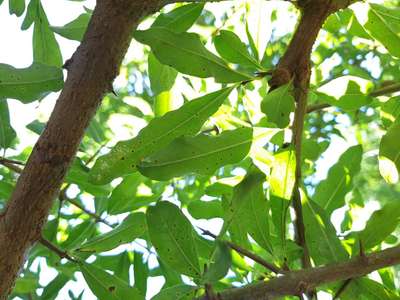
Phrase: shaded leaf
(220, 263)
(381, 224)
(205, 209)
(177, 292)
(16, 7)
(106, 286)
(75, 29)
(330, 193)
(173, 237)
(7, 133)
(45, 47)
(30, 83)
(131, 228)
(324, 245)
(278, 104)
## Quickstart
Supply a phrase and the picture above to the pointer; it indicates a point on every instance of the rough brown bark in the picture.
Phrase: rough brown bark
(91, 72)
(298, 282)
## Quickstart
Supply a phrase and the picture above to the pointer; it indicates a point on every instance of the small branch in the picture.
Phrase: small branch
(390, 89)
(387, 90)
(247, 253)
(342, 289)
(88, 212)
(13, 165)
(301, 281)
(61, 253)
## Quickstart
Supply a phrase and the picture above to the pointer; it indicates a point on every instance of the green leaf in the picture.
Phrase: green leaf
(16, 7)
(53, 288)
(201, 154)
(26, 284)
(78, 234)
(230, 47)
(176, 292)
(185, 52)
(187, 120)
(7, 133)
(324, 245)
(106, 286)
(131, 228)
(173, 237)
(346, 92)
(124, 193)
(383, 24)
(249, 209)
(78, 174)
(205, 209)
(5, 189)
(330, 193)
(278, 104)
(45, 47)
(162, 77)
(75, 29)
(367, 289)
(31, 14)
(31, 83)
(390, 111)
(389, 154)
(220, 263)
(181, 18)
(381, 224)
(140, 272)
(281, 182)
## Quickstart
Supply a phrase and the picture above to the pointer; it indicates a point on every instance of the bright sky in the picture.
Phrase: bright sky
(16, 50)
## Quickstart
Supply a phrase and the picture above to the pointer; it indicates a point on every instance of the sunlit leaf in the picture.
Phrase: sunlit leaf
(201, 154)
(187, 120)
(231, 48)
(185, 52)
(181, 18)
(389, 154)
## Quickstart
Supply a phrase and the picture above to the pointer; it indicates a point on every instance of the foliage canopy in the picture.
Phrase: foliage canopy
(200, 189)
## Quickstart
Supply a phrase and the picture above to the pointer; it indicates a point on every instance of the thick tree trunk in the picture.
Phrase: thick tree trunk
(90, 74)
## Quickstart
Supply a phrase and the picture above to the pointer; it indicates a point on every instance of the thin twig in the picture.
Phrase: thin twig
(13, 165)
(56, 250)
(88, 212)
(247, 253)
(342, 289)
(390, 89)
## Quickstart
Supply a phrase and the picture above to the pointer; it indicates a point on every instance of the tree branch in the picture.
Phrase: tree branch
(248, 254)
(387, 90)
(91, 71)
(55, 249)
(298, 282)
